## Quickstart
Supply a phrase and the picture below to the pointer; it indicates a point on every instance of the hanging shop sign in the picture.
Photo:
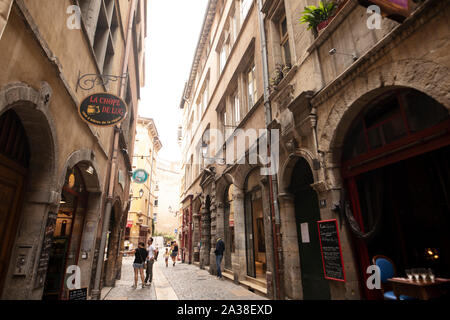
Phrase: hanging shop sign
(140, 176)
(330, 247)
(103, 109)
(396, 10)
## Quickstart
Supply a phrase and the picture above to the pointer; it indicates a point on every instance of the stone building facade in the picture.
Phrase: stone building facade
(65, 182)
(140, 221)
(359, 112)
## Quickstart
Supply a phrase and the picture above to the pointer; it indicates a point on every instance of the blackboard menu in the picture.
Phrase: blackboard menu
(330, 245)
(78, 294)
(45, 250)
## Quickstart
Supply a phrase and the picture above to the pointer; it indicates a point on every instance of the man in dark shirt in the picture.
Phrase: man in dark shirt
(220, 248)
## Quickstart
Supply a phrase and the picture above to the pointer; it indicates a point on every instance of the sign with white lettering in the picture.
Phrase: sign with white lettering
(330, 245)
(103, 109)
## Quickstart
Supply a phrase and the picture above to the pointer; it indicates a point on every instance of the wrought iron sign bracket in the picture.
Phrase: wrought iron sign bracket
(88, 81)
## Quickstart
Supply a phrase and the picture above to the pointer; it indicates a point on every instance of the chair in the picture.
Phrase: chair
(387, 270)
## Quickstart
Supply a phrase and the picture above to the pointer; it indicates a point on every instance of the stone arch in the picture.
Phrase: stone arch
(240, 174)
(425, 76)
(41, 194)
(288, 167)
(32, 108)
(85, 157)
(222, 185)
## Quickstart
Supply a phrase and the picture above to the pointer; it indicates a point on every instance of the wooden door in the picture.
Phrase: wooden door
(11, 185)
(14, 159)
(307, 213)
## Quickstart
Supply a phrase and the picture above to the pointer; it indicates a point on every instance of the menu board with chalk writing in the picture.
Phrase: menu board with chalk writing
(330, 247)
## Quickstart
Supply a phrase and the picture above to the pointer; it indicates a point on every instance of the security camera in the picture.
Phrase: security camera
(332, 51)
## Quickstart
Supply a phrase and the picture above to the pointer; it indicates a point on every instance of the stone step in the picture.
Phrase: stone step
(256, 281)
(228, 274)
(252, 286)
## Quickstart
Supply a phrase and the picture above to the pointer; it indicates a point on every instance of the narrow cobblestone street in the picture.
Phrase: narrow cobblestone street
(182, 282)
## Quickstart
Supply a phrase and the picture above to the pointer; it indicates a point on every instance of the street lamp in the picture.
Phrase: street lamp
(141, 194)
(171, 211)
(205, 151)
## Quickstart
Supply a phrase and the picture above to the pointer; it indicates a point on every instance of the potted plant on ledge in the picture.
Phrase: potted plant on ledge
(319, 17)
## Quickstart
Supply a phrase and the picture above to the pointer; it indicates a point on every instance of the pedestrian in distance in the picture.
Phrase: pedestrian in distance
(166, 257)
(140, 254)
(220, 248)
(151, 258)
(174, 253)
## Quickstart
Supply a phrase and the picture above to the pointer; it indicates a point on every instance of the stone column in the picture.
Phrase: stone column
(268, 232)
(212, 239)
(291, 255)
(196, 235)
(206, 236)
(240, 261)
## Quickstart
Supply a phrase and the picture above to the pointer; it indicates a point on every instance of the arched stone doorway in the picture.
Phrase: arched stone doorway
(74, 229)
(396, 174)
(14, 162)
(307, 213)
(39, 192)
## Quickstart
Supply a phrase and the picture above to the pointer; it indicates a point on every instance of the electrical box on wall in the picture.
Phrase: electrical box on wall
(23, 258)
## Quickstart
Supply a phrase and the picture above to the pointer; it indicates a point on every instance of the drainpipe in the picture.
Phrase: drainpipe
(190, 231)
(108, 207)
(273, 183)
(150, 186)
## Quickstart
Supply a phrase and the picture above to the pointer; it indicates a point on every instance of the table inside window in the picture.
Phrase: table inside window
(420, 289)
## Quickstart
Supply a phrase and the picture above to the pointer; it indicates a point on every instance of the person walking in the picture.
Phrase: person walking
(166, 257)
(140, 254)
(174, 253)
(152, 253)
(220, 248)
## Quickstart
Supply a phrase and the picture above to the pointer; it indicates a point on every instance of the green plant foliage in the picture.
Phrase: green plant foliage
(314, 15)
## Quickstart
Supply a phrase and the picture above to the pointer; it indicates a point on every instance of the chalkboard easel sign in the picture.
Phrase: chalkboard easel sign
(330, 247)
(78, 294)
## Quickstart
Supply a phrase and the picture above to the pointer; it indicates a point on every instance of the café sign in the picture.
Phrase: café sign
(396, 10)
(140, 176)
(103, 109)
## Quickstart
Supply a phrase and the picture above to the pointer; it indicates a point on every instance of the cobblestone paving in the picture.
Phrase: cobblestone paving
(182, 282)
(123, 289)
(191, 283)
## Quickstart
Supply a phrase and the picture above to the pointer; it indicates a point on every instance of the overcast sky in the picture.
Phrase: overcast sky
(173, 32)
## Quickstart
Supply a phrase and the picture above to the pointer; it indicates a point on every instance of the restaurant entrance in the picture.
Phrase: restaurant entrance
(14, 161)
(396, 166)
(67, 235)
